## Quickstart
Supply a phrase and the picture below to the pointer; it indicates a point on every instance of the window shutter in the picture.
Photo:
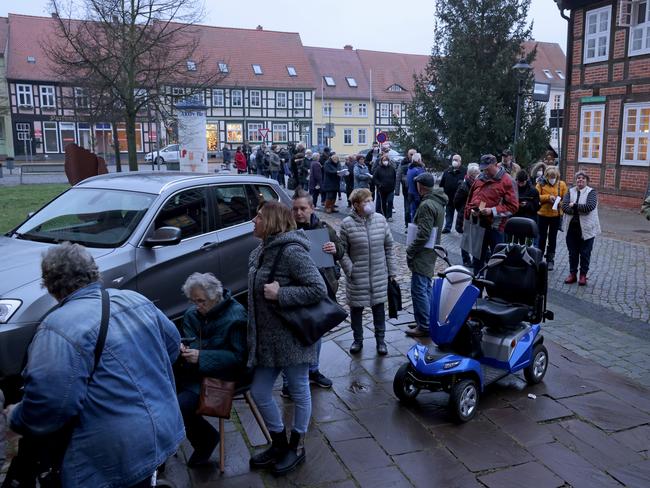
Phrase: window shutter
(624, 15)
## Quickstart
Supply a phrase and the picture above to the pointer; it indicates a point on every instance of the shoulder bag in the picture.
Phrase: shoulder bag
(215, 399)
(309, 322)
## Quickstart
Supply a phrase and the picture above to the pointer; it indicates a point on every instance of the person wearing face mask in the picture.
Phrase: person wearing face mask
(401, 184)
(537, 172)
(451, 178)
(551, 191)
(384, 177)
(528, 200)
(415, 168)
(460, 199)
(368, 264)
(580, 205)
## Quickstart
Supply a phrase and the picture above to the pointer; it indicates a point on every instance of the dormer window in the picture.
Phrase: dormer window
(559, 74)
(329, 81)
(292, 71)
(351, 82)
(395, 88)
(31, 59)
(223, 67)
(548, 74)
(257, 69)
(191, 65)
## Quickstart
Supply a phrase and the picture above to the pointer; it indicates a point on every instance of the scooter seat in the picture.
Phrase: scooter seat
(494, 312)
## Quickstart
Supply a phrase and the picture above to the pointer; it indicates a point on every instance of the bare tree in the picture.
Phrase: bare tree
(128, 53)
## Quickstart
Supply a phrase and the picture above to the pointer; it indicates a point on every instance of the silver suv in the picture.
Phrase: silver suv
(146, 231)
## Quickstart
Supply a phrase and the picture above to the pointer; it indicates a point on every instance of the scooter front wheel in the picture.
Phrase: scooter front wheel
(463, 400)
(536, 370)
(403, 386)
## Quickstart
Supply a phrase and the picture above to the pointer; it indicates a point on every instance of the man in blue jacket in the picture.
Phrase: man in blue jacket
(125, 414)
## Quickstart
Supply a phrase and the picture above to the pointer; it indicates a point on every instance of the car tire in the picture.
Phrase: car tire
(159, 160)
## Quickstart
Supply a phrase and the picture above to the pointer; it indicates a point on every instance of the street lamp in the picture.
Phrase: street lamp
(521, 69)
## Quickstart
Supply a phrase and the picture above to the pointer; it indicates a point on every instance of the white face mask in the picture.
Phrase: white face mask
(385, 163)
(540, 174)
(369, 208)
(552, 181)
(455, 164)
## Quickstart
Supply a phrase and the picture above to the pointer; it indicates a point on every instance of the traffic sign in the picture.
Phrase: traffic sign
(382, 137)
(37, 133)
(264, 131)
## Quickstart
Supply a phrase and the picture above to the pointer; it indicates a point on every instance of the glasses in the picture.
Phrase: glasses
(198, 301)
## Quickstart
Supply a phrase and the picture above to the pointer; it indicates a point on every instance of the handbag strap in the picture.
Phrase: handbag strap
(103, 328)
(276, 260)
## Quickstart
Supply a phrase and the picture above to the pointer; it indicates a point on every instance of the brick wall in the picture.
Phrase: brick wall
(593, 171)
(634, 179)
(596, 74)
(618, 201)
(611, 151)
(619, 43)
(610, 176)
(639, 68)
(618, 71)
(571, 148)
(578, 16)
(640, 88)
(613, 114)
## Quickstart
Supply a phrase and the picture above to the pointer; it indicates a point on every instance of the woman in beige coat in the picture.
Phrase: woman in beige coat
(368, 264)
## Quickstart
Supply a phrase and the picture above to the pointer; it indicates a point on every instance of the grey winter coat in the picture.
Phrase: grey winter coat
(270, 342)
(362, 176)
(369, 259)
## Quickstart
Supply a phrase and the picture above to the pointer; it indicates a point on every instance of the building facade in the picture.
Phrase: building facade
(607, 111)
(6, 139)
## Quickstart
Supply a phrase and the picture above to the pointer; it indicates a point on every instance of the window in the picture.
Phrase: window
(253, 132)
(362, 136)
(234, 133)
(68, 136)
(178, 93)
(292, 71)
(191, 65)
(81, 98)
(397, 110)
(347, 109)
(121, 136)
(187, 210)
(223, 67)
(47, 97)
(217, 98)
(84, 135)
(320, 135)
(559, 73)
(557, 101)
(384, 110)
(329, 81)
(597, 35)
(548, 74)
(255, 98)
(24, 95)
(636, 132)
(640, 32)
(363, 110)
(591, 133)
(352, 83)
(258, 194)
(50, 137)
(236, 98)
(327, 108)
(232, 205)
(347, 136)
(298, 100)
(280, 99)
(280, 133)
(395, 88)
(257, 69)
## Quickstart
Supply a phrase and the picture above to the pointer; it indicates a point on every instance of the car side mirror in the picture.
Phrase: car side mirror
(164, 236)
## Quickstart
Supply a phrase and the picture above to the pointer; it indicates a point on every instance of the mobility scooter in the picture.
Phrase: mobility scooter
(479, 340)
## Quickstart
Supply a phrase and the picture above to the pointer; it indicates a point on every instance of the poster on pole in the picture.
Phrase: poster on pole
(193, 143)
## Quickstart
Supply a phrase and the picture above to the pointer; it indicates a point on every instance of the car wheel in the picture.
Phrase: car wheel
(403, 386)
(536, 370)
(160, 160)
(463, 400)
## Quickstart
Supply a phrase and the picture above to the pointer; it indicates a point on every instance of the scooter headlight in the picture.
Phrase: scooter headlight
(7, 309)
(451, 364)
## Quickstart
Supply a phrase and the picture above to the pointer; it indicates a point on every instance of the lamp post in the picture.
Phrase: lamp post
(521, 69)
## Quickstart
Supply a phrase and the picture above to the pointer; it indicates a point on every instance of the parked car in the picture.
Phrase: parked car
(147, 232)
(168, 154)
(395, 157)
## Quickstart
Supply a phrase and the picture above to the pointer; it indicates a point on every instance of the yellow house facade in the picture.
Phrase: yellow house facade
(353, 124)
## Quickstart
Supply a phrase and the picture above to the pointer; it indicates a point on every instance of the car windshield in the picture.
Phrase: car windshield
(88, 216)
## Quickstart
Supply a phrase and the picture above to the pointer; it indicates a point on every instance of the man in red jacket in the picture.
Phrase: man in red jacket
(491, 201)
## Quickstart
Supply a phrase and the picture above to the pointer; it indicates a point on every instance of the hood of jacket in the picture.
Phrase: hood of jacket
(497, 177)
(220, 307)
(314, 223)
(437, 194)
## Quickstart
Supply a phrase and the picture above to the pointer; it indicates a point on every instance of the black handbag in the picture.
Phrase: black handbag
(292, 184)
(309, 322)
(394, 299)
(41, 456)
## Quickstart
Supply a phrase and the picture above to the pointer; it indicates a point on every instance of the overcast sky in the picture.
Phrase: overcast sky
(381, 25)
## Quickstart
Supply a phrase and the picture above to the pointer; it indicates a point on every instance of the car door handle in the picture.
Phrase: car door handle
(208, 246)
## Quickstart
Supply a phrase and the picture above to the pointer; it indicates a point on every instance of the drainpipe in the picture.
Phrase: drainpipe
(568, 71)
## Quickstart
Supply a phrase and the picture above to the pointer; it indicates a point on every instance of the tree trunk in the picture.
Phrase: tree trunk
(130, 141)
(116, 147)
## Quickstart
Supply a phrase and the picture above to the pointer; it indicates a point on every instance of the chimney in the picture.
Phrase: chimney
(55, 15)
(347, 47)
(259, 27)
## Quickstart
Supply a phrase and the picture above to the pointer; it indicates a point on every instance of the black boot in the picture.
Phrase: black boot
(293, 457)
(273, 454)
(356, 346)
(550, 261)
(382, 350)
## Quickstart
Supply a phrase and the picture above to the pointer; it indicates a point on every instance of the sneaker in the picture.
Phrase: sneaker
(285, 392)
(319, 379)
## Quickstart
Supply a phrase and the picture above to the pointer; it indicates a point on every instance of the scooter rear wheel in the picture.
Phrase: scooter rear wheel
(403, 386)
(463, 400)
(536, 370)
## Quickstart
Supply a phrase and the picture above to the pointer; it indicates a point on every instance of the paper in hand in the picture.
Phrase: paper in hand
(411, 234)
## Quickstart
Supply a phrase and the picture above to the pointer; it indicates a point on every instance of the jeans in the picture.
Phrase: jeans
(449, 216)
(385, 201)
(579, 252)
(314, 196)
(298, 382)
(548, 227)
(198, 430)
(421, 296)
(313, 367)
(490, 240)
(414, 201)
(407, 209)
(378, 321)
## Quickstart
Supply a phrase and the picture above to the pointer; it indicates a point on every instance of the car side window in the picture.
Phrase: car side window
(232, 205)
(187, 210)
(258, 194)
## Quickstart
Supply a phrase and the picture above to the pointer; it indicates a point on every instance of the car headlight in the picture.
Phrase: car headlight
(7, 309)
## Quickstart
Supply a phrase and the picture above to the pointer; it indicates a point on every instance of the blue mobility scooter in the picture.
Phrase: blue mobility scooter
(479, 340)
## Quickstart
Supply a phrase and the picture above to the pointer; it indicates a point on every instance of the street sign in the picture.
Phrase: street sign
(541, 92)
(37, 133)
(382, 137)
(263, 132)
(153, 136)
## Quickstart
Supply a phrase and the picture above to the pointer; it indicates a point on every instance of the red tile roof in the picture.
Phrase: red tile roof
(339, 64)
(549, 57)
(392, 68)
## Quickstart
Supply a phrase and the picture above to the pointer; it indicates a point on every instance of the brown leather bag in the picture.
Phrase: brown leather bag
(216, 398)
